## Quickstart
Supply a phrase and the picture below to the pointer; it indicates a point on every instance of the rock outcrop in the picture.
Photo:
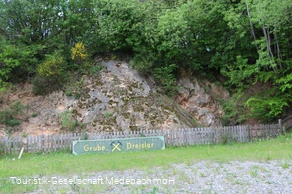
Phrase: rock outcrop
(199, 99)
(119, 99)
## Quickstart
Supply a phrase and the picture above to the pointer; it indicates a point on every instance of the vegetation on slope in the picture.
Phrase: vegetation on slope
(245, 41)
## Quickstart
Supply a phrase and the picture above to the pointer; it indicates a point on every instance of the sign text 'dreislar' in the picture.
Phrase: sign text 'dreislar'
(118, 145)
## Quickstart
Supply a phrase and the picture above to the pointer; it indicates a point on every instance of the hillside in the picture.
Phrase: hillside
(175, 45)
(115, 99)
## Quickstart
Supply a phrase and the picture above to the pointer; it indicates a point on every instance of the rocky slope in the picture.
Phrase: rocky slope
(119, 99)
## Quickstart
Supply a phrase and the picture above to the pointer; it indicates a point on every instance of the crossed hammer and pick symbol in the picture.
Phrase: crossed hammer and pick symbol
(116, 145)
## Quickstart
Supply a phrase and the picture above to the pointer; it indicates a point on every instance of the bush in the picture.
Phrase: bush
(44, 85)
(52, 66)
(165, 76)
(93, 70)
(17, 108)
(4, 116)
(50, 75)
(78, 53)
(234, 109)
(267, 105)
(12, 122)
(7, 115)
(68, 122)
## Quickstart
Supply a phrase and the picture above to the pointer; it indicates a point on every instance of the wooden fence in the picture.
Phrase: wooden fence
(175, 137)
(287, 123)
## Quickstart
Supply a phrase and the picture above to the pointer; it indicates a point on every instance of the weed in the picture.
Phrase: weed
(93, 70)
(76, 96)
(2, 148)
(194, 171)
(268, 157)
(254, 173)
(68, 93)
(75, 188)
(34, 114)
(12, 122)
(9, 131)
(184, 177)
(108, 114)
(207, 191)
(23, 134)
(285, 165)
(85, 136)
(188, 163)
(225, 138)
(17, 108)
(154, 191)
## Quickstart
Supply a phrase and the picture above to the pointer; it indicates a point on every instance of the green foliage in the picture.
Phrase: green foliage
(68, 122)
(266, 106)
(108, 114)
(52, 66)
(44, 85)
(239, 73)
(234, 109)
(51, 74)
(285, 83)
(7, 116)
(164, 76)
(34, 115)
(120, 24)
(74, 87)
(79, 53)
(76, 96)
(246, 41)
(94, 69)
(12, 122)
(226, 138)
(85, 136)
(17, 108)
(8, 61)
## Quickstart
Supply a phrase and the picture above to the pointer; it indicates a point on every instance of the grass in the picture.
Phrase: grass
(62, 163)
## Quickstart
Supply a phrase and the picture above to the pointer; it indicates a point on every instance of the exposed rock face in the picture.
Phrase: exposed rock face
(119, 99)
(201, 104)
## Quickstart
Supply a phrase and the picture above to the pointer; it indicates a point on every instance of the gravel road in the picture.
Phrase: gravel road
(198, 177)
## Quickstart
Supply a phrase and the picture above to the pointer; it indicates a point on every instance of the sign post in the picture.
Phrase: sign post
(118, 145)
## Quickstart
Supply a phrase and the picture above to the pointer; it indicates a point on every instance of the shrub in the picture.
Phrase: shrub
(52, 66)
(34, 114)
(79, 53)
(44, 85)
(50, 75)
(12, 122)
(68, 122)
(7, 115)
(17, 108)
(165, 76)
(93, 70)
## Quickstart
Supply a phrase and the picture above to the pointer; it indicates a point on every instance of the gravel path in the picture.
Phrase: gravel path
(199, 177)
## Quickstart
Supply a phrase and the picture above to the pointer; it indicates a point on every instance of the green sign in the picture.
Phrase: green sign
(118, 145)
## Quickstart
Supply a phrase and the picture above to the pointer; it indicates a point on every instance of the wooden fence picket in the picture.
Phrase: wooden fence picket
(173, 137)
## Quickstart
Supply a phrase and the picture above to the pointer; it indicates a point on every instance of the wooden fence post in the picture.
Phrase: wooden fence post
(280, 125)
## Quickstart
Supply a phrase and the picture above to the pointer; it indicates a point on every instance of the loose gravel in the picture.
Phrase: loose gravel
(198, 177)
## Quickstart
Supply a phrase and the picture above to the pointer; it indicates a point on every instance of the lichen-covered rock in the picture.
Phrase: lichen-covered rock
(119, 99)
(198, 98)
